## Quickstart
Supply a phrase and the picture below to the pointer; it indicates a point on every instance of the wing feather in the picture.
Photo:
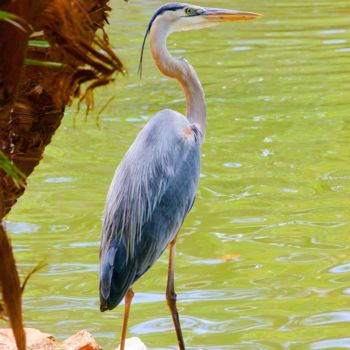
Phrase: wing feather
(152, 191)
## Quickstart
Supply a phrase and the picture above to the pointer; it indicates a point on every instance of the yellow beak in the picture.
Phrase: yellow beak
(221, 15)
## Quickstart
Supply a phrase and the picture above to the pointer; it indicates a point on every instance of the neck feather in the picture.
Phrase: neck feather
(180, 69)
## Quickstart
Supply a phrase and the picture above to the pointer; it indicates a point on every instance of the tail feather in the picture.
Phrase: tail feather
(116, 277)
(116, 292)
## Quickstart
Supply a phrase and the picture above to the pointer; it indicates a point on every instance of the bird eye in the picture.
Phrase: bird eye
(189, 11)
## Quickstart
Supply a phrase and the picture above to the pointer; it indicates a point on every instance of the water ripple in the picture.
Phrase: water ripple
(59, 302)
(339, 343)
(56, 180)
(201, 326)
(196, 325)
(343, 268)
(207, 295)
(21, 227)
(302, 257)
(63, 269)
(326, 318)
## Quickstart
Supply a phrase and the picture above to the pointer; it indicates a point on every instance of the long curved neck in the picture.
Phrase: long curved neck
(181, 70)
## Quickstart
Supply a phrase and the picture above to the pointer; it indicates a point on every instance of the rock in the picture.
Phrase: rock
(7, 340)
(133, 344)
(82, 340)
(37, 340)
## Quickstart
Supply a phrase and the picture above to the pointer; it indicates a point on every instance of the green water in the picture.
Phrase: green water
(274, 191)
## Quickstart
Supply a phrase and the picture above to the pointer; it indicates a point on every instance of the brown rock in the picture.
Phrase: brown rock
(37, 340)
(82, 340)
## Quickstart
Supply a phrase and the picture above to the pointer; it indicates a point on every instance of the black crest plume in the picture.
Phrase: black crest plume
(168, 7)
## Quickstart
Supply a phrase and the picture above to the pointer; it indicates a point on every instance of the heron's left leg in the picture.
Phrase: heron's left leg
(128, 298)
(171, 296)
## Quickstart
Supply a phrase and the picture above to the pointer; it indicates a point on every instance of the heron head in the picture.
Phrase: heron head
(179, 17)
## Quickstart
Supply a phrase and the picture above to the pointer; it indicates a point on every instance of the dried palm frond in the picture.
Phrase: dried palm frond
(35, 269)
(63, 53)
(10, 289)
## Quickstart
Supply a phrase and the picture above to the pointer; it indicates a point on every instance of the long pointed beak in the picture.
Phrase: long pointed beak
(221, 15)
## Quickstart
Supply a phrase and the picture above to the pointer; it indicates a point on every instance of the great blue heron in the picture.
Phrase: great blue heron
(155, 185)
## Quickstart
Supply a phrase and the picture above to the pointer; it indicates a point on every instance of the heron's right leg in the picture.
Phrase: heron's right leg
(171, 296)
(128, 298)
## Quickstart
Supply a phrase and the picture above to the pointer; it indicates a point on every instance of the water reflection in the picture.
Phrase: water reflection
(302, 258)
(196, 325)
(20, 227)
(61, 269)
(340, 343)
(59, 180)
(343, 268)
(327, 318)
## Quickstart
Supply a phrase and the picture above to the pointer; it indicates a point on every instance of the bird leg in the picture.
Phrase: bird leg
(171, 296)
(128, 298)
